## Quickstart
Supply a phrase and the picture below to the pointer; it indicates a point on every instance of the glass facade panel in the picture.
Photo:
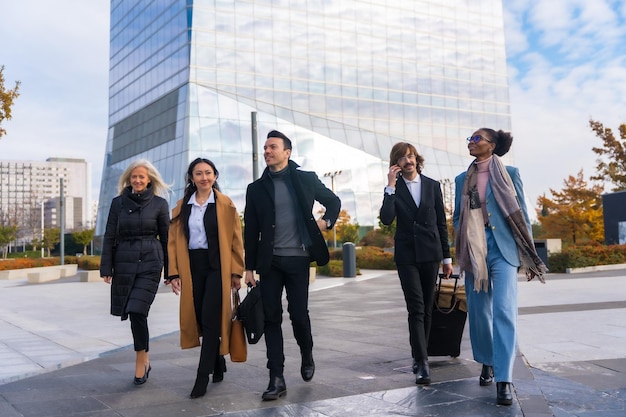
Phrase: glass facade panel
(344, 79)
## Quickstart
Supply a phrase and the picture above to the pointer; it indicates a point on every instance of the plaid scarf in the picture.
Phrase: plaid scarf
(471, 242)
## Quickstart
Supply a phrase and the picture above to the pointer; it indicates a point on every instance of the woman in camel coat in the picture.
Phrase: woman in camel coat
(205, 263)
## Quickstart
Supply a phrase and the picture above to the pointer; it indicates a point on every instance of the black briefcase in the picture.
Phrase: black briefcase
(250, 312)
(448, 321)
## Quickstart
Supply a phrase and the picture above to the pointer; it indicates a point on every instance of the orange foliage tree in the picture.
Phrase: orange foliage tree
(573, 214)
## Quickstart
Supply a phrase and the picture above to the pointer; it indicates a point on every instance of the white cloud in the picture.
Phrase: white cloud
(566, 66)
(59, 52)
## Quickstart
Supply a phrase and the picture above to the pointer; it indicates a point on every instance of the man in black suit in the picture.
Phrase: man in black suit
(281, 239)
(421, 242)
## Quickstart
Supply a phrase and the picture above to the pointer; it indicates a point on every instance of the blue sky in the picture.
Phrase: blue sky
(567, 64)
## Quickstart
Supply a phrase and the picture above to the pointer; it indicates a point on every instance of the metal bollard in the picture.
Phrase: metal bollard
(349, 260)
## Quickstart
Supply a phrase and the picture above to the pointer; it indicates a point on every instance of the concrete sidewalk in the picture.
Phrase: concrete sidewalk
(63, 355)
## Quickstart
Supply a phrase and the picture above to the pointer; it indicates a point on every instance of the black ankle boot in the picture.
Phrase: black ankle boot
(486, 376)
(422, 376)
(504, 396)
(307, 369)
(220, 368)
(275, 389)
(199, 388)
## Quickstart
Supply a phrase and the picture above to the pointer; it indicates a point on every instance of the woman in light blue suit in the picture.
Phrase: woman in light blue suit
(493, 242)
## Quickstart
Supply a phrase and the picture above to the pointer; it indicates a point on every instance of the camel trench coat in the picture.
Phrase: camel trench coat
(231, 260)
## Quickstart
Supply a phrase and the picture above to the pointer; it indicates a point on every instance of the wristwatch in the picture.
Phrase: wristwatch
(329, 224)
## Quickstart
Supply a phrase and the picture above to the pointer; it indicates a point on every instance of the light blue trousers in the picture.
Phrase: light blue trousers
(493, 314)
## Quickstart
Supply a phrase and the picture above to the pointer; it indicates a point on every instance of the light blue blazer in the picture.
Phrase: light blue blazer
(499, 226)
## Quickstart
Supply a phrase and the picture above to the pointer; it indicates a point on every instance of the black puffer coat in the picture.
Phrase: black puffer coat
(131, 252)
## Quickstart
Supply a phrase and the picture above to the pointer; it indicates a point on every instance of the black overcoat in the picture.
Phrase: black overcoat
(260, 216)
(134, 250)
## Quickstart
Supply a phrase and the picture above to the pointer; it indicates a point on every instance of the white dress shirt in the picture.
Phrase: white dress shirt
(197, 234)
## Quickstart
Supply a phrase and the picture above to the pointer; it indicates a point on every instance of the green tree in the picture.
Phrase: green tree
(611, 163)
(7, 235)
(7, 97)
(574, 214)
(50, 238)
(387, 230)
(84, 237)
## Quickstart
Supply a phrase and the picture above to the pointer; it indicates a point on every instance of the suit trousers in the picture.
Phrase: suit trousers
(493, 314)
(207, 301)
(418, 285)
(139, 328)
(291, 273)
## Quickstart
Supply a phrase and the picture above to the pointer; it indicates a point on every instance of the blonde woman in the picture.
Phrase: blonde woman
(134, 253)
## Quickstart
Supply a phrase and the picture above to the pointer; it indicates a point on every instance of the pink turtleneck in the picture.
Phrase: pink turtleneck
(483, 178)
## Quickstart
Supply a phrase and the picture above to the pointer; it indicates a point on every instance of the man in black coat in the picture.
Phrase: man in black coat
(281, 239)
(421, 242)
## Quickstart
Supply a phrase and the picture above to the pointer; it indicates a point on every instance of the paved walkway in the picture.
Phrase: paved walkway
(63, 355)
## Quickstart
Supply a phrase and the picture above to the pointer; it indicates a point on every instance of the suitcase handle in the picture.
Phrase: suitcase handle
(453, 298)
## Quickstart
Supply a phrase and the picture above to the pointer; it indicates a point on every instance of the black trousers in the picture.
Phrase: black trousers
(207, 302)
(291, 273)
(418, 285)
(139, 328)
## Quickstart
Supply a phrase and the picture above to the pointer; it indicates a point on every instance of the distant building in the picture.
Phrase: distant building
(614, 218)
(344, 79)
(26, 185)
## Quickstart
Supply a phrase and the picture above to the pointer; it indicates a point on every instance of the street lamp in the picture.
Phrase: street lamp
(447, 194)
(332, 176)
(42, 226)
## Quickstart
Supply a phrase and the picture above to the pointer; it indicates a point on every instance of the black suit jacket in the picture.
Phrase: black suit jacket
(260, 217)
(421, 233)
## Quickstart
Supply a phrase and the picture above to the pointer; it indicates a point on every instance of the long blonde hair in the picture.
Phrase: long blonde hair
(159, 186)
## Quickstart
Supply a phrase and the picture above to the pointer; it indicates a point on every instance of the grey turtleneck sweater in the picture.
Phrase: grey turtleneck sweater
(287, 240)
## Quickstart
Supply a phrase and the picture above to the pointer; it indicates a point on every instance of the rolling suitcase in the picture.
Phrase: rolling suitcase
(448, 321)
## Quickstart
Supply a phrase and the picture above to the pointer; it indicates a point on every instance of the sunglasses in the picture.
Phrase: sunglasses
(476, 139)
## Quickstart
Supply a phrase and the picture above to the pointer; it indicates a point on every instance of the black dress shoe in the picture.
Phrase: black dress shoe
(144, 378)
(423, 373)
(307, 370)
(199, 388)
(504, 393)
(220, 368)
(486, 376)
(276, 389)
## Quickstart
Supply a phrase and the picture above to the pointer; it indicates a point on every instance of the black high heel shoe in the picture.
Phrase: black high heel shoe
(220, 368)
(144, 378)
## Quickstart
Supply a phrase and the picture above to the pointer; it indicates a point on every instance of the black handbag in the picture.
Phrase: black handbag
(250, 312)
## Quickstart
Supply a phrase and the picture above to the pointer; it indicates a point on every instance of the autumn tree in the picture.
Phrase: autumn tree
(611, 162)
(344, 230)
(50, 238)
(7, 235)
(84, 237)
(573, 214)
(7, 97)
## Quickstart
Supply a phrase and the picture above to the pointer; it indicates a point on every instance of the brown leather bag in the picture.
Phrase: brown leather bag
(238, 347)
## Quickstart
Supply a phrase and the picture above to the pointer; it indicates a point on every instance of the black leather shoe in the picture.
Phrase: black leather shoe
(199, 388)
(275, 389)
(415, 366)
(486, 376)
(144, 378)
(504, 393)
(307, 370)
(423, 373)
(220, 368)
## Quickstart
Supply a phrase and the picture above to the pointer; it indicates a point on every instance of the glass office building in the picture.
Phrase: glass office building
(344, 79)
